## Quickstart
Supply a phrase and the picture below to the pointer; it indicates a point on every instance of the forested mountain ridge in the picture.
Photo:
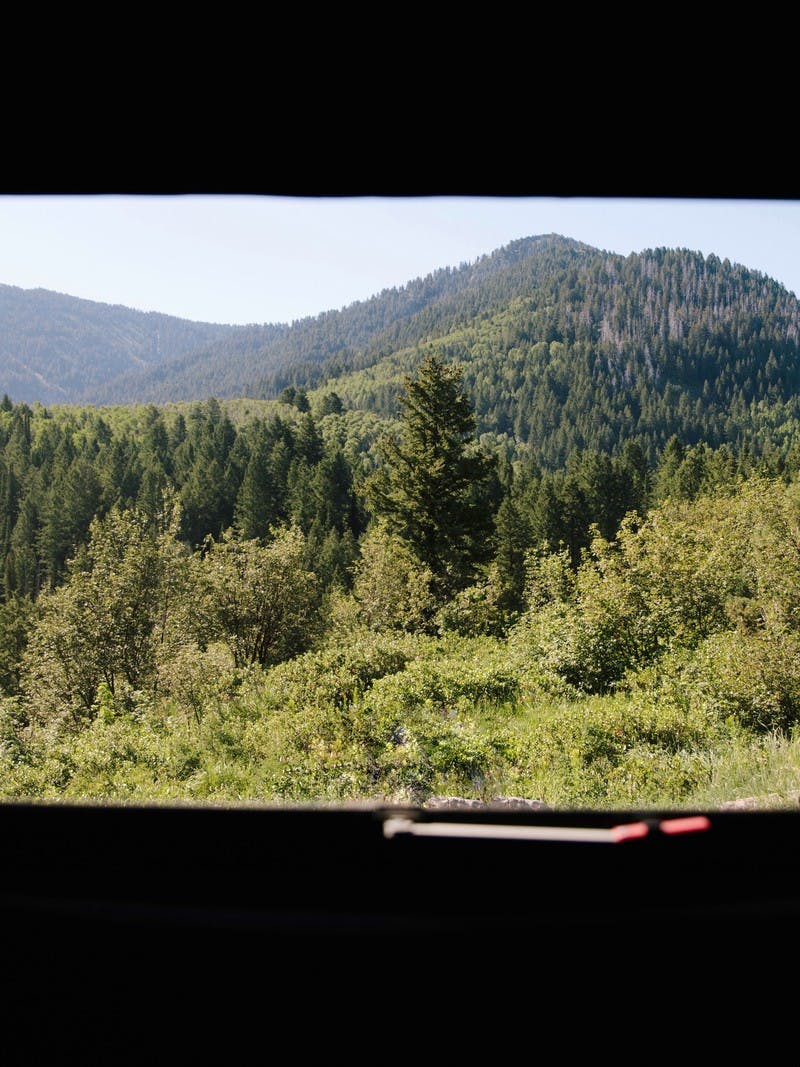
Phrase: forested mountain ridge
(657, 344)
(427, 308)
(226, 361)
(562, 347)
(56, 348)
(318, 347)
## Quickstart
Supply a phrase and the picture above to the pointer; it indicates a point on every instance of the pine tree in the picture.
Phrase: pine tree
(256, 503)
(513, 538)
(432, 486)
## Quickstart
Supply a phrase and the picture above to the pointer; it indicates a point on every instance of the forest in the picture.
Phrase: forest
(295, 600)
(526, 528)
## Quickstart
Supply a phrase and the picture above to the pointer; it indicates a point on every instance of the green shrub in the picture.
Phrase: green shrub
(752, 679)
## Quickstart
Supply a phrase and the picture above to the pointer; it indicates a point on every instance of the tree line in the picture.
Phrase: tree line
(468, 645)
(128, 548)
(572, 349)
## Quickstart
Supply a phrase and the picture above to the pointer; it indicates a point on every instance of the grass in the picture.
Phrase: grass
(760, 773)
(400, 720)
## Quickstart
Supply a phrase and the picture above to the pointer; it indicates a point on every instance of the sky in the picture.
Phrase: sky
(266, 259)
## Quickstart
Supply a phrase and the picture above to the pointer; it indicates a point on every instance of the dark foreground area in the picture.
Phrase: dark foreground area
(156, 934)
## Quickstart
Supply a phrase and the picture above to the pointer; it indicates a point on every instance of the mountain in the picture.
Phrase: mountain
(346, 338)
(563, 347)
(591, 353)
(61, 349)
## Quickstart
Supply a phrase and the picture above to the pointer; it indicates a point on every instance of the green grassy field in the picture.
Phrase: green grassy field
(400, 719)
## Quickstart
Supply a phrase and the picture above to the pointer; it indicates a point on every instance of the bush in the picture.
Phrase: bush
(592, 752)
(752, 679)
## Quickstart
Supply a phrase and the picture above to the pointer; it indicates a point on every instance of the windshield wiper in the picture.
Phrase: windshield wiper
(613, 835)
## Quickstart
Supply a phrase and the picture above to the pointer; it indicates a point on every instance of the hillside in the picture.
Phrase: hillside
(658, 344)
(268, 600)
(56, 348)
(564, 347)
(358, 334)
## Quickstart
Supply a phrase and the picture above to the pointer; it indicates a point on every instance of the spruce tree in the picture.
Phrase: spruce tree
(256, 504)
(432, 487)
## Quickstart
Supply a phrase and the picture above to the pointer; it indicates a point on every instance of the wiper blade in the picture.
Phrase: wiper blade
(613, 835)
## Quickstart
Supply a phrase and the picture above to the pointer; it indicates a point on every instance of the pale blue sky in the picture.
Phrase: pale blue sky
(257, 259)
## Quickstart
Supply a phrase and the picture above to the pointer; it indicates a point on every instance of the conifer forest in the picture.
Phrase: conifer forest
(527, 528)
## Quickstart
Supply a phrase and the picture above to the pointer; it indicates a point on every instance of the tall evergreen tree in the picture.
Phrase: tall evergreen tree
(256, 503)
(432, 486)
(513, 538)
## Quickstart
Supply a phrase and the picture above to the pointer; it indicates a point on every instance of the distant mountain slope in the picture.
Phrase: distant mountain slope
(356, 334)
(435, 306)
(56, 348)
(659, 343)
(60, 349)
(563, 347)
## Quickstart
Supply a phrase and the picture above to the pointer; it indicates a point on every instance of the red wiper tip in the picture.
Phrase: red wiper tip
(689, 824)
